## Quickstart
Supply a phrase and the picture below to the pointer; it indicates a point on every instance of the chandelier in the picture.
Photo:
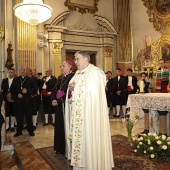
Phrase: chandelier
(32, 11)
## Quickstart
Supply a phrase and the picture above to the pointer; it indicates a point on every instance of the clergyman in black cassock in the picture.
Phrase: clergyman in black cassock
(58, 97)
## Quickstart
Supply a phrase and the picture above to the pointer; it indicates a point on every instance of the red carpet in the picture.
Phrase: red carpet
(124, 158)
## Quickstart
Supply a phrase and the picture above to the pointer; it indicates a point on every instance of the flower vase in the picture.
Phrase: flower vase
(129, 127)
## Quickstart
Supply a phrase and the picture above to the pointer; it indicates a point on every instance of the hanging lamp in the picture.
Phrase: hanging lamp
(33, 11)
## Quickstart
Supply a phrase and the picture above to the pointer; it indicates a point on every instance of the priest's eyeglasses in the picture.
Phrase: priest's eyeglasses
(63, 66)
(77, 59)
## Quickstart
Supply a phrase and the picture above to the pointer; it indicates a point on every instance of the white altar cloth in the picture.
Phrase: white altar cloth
(152, 102)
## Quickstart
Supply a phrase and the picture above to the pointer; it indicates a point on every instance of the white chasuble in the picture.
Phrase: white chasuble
(88, 136)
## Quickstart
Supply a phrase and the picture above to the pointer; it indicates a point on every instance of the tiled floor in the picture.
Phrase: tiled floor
(44, 134)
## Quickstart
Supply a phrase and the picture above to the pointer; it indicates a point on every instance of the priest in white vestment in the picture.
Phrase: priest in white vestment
(88, 138)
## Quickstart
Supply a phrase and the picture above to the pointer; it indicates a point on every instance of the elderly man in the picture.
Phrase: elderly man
(86, 114)
(22, 89)
(48, 84)
(58, 97)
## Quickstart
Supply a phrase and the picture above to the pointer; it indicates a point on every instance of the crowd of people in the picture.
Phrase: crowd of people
(119, 87)
(78, 105)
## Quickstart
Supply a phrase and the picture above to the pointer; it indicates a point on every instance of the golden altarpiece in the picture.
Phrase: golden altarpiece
(149, 55)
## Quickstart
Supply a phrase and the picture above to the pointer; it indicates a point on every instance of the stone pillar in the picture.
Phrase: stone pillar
(108, 52)
(57, 46)
(146, 120)
(163, 125)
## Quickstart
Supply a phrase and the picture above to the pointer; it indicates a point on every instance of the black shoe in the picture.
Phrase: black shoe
(17, 134)
(7, 129)
(15, 125)
(36, 123)
(25, 127)
(45, 124)
(12, 129)
(117, 115)
(31, 134)
(114, 115)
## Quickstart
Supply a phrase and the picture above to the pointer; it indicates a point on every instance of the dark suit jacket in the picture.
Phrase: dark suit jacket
(134, 83)
(50, 83)
(4, 88)
(109, 86)
(120, 83)
(16, 88)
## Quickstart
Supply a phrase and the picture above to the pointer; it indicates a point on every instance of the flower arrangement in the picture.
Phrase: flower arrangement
(130, 119)
(153, 146)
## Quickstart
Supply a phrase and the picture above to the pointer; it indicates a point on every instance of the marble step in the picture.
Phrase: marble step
(28, 158)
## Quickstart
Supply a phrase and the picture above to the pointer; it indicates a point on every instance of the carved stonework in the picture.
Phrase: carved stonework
(57, 47)
(1, 33)
(83, 6)
(159, 14)
(108, 51)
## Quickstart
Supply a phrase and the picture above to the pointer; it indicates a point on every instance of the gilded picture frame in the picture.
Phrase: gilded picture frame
(83, 6)
(159, 14)
(2, 33)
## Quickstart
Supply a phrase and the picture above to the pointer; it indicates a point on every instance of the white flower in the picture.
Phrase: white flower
(140, 143)
(135, 150)
(158, 142)
(144, 151)
(168, 138)
(163, 137)
(156, 137)
(168, 143)
(151, 148)
(144, 134)
(138, 146)
(141, 138)
(149, 134)
(154, 134)
(164, 147)
(149, 142)
(152, 155)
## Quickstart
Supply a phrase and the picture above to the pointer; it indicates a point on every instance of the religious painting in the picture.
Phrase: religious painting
(159, 14)
(165, 50)
(82, 6)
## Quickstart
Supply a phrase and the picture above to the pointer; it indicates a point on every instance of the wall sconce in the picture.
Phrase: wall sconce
(44, 41)
(41, 44)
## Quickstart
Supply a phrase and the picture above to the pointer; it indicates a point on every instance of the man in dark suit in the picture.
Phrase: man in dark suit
(9, 103)
(22, 88)
(119, 88)
(130, 83)
(48, 84)
(110, 95)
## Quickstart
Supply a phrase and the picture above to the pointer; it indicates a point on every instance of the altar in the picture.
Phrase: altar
(156, 110)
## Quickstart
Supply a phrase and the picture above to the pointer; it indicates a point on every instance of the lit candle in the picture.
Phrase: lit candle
(141, 86)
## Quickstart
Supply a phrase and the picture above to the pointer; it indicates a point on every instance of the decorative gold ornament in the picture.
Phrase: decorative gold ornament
(83, 6)
(159, 50)
(159, 14)
(2, 33)
(108, 51)
(57, 46)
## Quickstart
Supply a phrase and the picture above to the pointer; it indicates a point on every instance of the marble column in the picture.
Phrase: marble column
(163, 121)
(146, 120)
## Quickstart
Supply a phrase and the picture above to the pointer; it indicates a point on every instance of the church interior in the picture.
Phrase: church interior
(117, 33)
